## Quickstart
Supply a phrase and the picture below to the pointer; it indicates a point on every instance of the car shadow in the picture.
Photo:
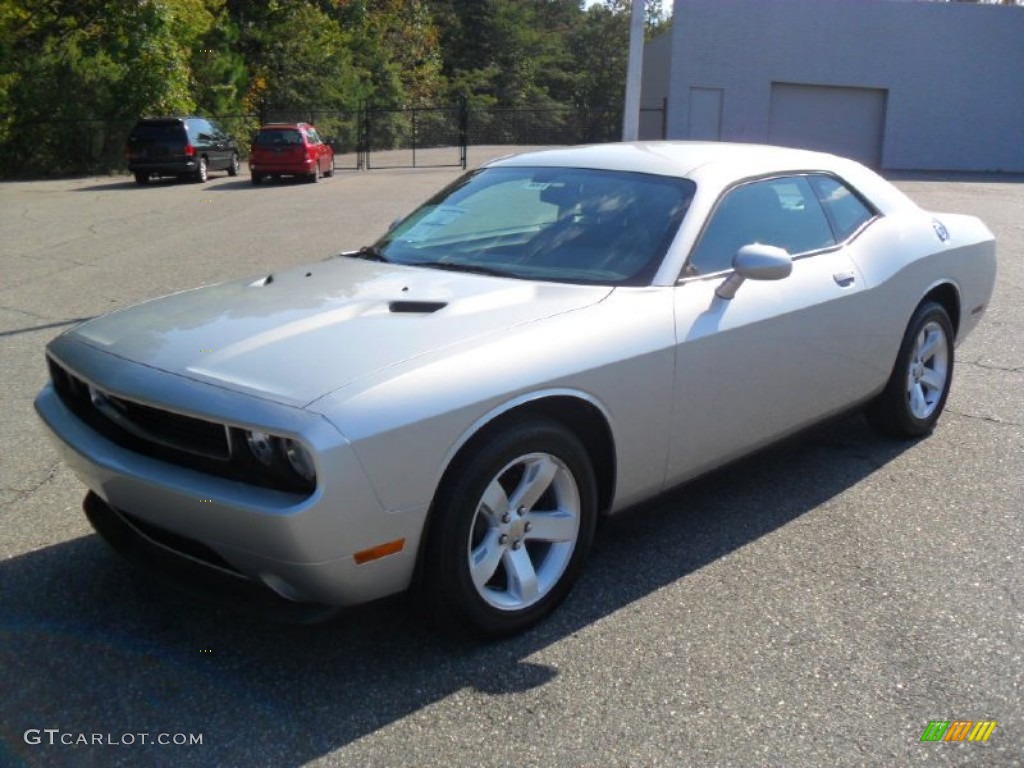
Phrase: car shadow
(216, 179)
(241, 181)
(90, 646)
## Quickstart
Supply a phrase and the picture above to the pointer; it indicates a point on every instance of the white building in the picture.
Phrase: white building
(896, 84)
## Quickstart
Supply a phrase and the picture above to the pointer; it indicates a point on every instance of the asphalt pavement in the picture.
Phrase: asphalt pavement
(815, 605)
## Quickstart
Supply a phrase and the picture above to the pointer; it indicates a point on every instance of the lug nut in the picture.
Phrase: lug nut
(517, 544)
(503, 540)
(528, 527)
(521, 511)
(506, 518)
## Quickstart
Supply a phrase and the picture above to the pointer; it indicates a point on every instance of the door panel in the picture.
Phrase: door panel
(778, 356)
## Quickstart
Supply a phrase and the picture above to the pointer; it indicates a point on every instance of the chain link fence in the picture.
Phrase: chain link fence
(368, 138)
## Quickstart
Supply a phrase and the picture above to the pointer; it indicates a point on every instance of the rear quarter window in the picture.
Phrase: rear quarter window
(846, 212)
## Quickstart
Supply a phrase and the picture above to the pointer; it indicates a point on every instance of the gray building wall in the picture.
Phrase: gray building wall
(950, 76)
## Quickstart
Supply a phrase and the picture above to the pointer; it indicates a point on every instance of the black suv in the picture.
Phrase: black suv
(187, 147)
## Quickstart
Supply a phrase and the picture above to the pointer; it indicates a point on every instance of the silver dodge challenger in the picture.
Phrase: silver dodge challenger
(554, 337)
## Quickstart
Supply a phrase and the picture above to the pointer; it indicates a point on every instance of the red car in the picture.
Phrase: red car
(290, 149)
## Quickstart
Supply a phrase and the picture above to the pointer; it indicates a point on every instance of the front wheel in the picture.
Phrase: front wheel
(916, 393)
(510, 530)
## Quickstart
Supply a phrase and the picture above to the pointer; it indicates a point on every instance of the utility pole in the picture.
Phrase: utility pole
(634, 74)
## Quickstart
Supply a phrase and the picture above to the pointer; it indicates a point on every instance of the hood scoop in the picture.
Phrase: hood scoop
(416, 307)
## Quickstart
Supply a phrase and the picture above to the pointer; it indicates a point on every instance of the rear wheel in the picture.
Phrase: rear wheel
(257, 178)
(201, 171)
(330, 170)
(234, 166)
(141, 178)
(511, 530)
(314, 177)
(916, 393)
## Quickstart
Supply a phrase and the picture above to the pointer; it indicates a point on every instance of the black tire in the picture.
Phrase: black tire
(257, 178)
(330, 171)
(234, 165)
(916, 392)
(202, 171)
(314, 177)
(141, 178)
(527, 555)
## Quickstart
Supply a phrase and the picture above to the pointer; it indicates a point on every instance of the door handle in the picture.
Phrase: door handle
(844, 279)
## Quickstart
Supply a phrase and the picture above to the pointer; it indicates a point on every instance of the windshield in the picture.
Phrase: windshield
(560, 224)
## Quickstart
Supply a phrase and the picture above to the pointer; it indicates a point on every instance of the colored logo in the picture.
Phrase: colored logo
(958, 730)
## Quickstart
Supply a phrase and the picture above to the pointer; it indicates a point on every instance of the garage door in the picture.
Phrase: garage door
(845, 121)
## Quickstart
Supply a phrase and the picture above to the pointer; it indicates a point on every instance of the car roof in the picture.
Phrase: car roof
(278, 126)
(671, 158)
(715, 163)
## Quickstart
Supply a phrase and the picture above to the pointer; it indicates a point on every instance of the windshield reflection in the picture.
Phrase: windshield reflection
(559, 224)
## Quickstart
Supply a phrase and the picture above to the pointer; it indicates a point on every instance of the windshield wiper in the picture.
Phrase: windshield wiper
(452, 266)
(371, 253)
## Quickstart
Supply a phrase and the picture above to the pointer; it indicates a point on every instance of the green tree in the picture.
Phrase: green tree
(299, 59)
(70, 68)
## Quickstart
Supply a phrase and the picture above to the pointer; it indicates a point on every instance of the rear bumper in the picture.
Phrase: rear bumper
(163, 167)
(288, 168)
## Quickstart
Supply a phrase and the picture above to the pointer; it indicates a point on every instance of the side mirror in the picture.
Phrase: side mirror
(755, 262)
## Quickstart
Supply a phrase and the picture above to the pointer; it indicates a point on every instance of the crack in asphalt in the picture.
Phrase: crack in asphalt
(33, 315)
(20, 494)
(989, 419)
(991, 366)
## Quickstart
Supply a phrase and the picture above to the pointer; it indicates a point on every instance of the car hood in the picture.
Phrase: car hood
(296, 335)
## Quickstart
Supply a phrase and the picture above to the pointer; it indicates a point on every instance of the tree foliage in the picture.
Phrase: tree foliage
(68, 66)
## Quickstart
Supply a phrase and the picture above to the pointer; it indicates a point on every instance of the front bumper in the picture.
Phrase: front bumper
(160, 554)
(300, 547)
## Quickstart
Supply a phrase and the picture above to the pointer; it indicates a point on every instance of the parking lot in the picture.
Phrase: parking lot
(815, 605)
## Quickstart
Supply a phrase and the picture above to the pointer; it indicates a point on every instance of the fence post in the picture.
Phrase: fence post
(414, 137)
(463, 130)
(362, 137)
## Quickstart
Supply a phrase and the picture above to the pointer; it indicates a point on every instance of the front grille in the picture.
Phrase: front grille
(186, 441)
(127, 422)
(172, 429)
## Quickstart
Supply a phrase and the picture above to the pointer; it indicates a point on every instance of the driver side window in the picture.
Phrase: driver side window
(783, 212)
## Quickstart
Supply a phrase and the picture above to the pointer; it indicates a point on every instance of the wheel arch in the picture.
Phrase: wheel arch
(947, 295)
(578, 412)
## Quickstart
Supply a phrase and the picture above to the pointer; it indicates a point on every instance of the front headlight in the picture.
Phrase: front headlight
(299, 459)
(283, 456)
(261, 446)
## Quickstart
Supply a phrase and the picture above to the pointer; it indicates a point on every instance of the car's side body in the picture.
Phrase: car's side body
(289, 149)
(391, 375)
